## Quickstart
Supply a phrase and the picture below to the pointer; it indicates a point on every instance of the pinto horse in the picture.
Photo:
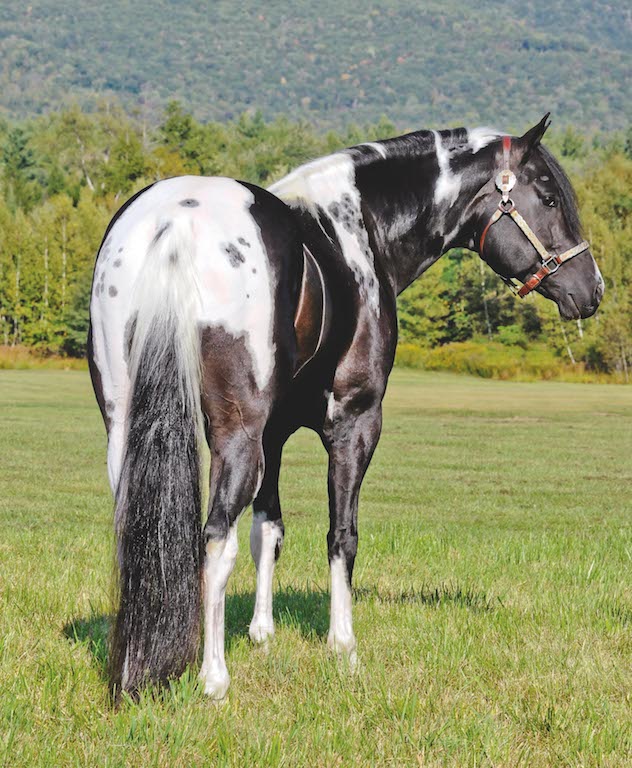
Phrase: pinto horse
(223, 310)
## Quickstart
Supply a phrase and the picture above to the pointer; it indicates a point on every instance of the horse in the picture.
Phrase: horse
(224, 311)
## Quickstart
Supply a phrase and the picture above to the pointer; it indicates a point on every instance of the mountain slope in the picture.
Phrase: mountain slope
(429, 64)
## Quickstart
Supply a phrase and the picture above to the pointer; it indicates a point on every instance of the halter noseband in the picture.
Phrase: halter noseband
(505, 182)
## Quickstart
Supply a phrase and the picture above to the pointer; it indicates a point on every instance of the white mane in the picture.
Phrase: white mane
(480, 137)
(316, 182)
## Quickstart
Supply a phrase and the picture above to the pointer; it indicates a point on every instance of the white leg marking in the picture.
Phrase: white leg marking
(264, 538)
(341, 638)
(218, 565)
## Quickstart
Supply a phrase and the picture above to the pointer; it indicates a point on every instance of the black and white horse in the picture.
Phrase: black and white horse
(224, 310)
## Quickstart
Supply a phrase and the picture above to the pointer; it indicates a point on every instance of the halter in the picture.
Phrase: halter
(505, 182)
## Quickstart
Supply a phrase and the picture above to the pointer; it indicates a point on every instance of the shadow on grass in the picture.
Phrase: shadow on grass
(435, 596)
(305, 610)
(92, 632)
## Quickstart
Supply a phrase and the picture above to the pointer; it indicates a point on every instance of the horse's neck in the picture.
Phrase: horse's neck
(396, 206)
(416, 207)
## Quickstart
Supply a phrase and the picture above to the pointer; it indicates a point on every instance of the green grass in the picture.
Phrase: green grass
(493, 602)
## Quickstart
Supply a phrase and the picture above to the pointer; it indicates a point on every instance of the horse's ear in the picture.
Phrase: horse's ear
(531, 139)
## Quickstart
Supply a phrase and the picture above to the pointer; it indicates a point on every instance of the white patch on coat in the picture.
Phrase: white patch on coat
(331, 404)
(236, 298)
(323, 183)
(401, 225)
(448, 185)
(379, 148)
(341, 638)
(218, 565)
(265, 536)
(480, 137)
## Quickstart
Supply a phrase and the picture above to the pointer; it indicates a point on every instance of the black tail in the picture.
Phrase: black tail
(156, 632)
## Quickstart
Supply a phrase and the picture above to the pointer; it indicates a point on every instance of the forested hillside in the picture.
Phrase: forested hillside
(431, 64)
(63, 176)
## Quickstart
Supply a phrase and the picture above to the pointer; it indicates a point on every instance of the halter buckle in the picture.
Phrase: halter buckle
(506, 206)
(505, 181)
(552, 261)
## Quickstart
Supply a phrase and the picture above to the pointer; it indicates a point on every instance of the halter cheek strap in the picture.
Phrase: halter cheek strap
(505, 182)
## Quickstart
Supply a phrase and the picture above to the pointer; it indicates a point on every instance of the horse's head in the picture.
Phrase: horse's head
(528, 226)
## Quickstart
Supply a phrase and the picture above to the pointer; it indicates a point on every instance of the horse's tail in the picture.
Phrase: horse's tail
(156, 632)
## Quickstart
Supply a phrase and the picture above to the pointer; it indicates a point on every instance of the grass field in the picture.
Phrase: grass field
(493, 603)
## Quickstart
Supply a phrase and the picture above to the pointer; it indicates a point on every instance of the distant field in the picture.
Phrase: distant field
(493, 598)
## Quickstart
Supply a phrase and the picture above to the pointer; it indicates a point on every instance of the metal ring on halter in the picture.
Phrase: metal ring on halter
(506, 206)
(554, 261)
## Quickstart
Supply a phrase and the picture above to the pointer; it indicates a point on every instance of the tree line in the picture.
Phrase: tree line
(64, 175)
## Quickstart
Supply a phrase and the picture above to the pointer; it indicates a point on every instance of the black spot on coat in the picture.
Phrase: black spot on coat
(235, 256)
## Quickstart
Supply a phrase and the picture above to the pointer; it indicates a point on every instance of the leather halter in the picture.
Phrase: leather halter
(505, 182)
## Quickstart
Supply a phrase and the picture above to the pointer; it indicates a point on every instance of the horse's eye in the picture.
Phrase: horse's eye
(550, 201)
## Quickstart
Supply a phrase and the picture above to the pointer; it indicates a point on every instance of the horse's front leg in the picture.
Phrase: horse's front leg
(351, 431)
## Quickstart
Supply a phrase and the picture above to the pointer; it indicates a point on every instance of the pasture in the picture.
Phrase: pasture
(493, 592)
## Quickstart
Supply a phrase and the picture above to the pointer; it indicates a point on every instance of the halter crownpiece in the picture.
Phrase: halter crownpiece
(505, 181)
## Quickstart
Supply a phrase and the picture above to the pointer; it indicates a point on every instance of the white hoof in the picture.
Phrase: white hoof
(260, 633)
(216, 683)
(344, 648)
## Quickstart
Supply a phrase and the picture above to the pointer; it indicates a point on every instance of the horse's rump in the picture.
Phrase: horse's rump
(192, 313)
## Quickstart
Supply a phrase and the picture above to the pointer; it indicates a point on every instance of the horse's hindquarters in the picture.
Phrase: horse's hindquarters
(194, 296)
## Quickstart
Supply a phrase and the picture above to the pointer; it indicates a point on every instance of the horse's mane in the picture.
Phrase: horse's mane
(568, 199)
(308, 180)
(420, 142)
(306, 184)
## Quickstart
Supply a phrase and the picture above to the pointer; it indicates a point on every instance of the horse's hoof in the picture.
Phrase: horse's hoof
(261, 634)
(215, 684)
(345, 649)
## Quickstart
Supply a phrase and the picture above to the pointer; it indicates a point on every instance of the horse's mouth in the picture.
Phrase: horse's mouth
(569, 309)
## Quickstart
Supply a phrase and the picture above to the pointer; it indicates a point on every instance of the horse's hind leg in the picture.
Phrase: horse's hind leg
(236, 469)
(266, 535)
(237, 412)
